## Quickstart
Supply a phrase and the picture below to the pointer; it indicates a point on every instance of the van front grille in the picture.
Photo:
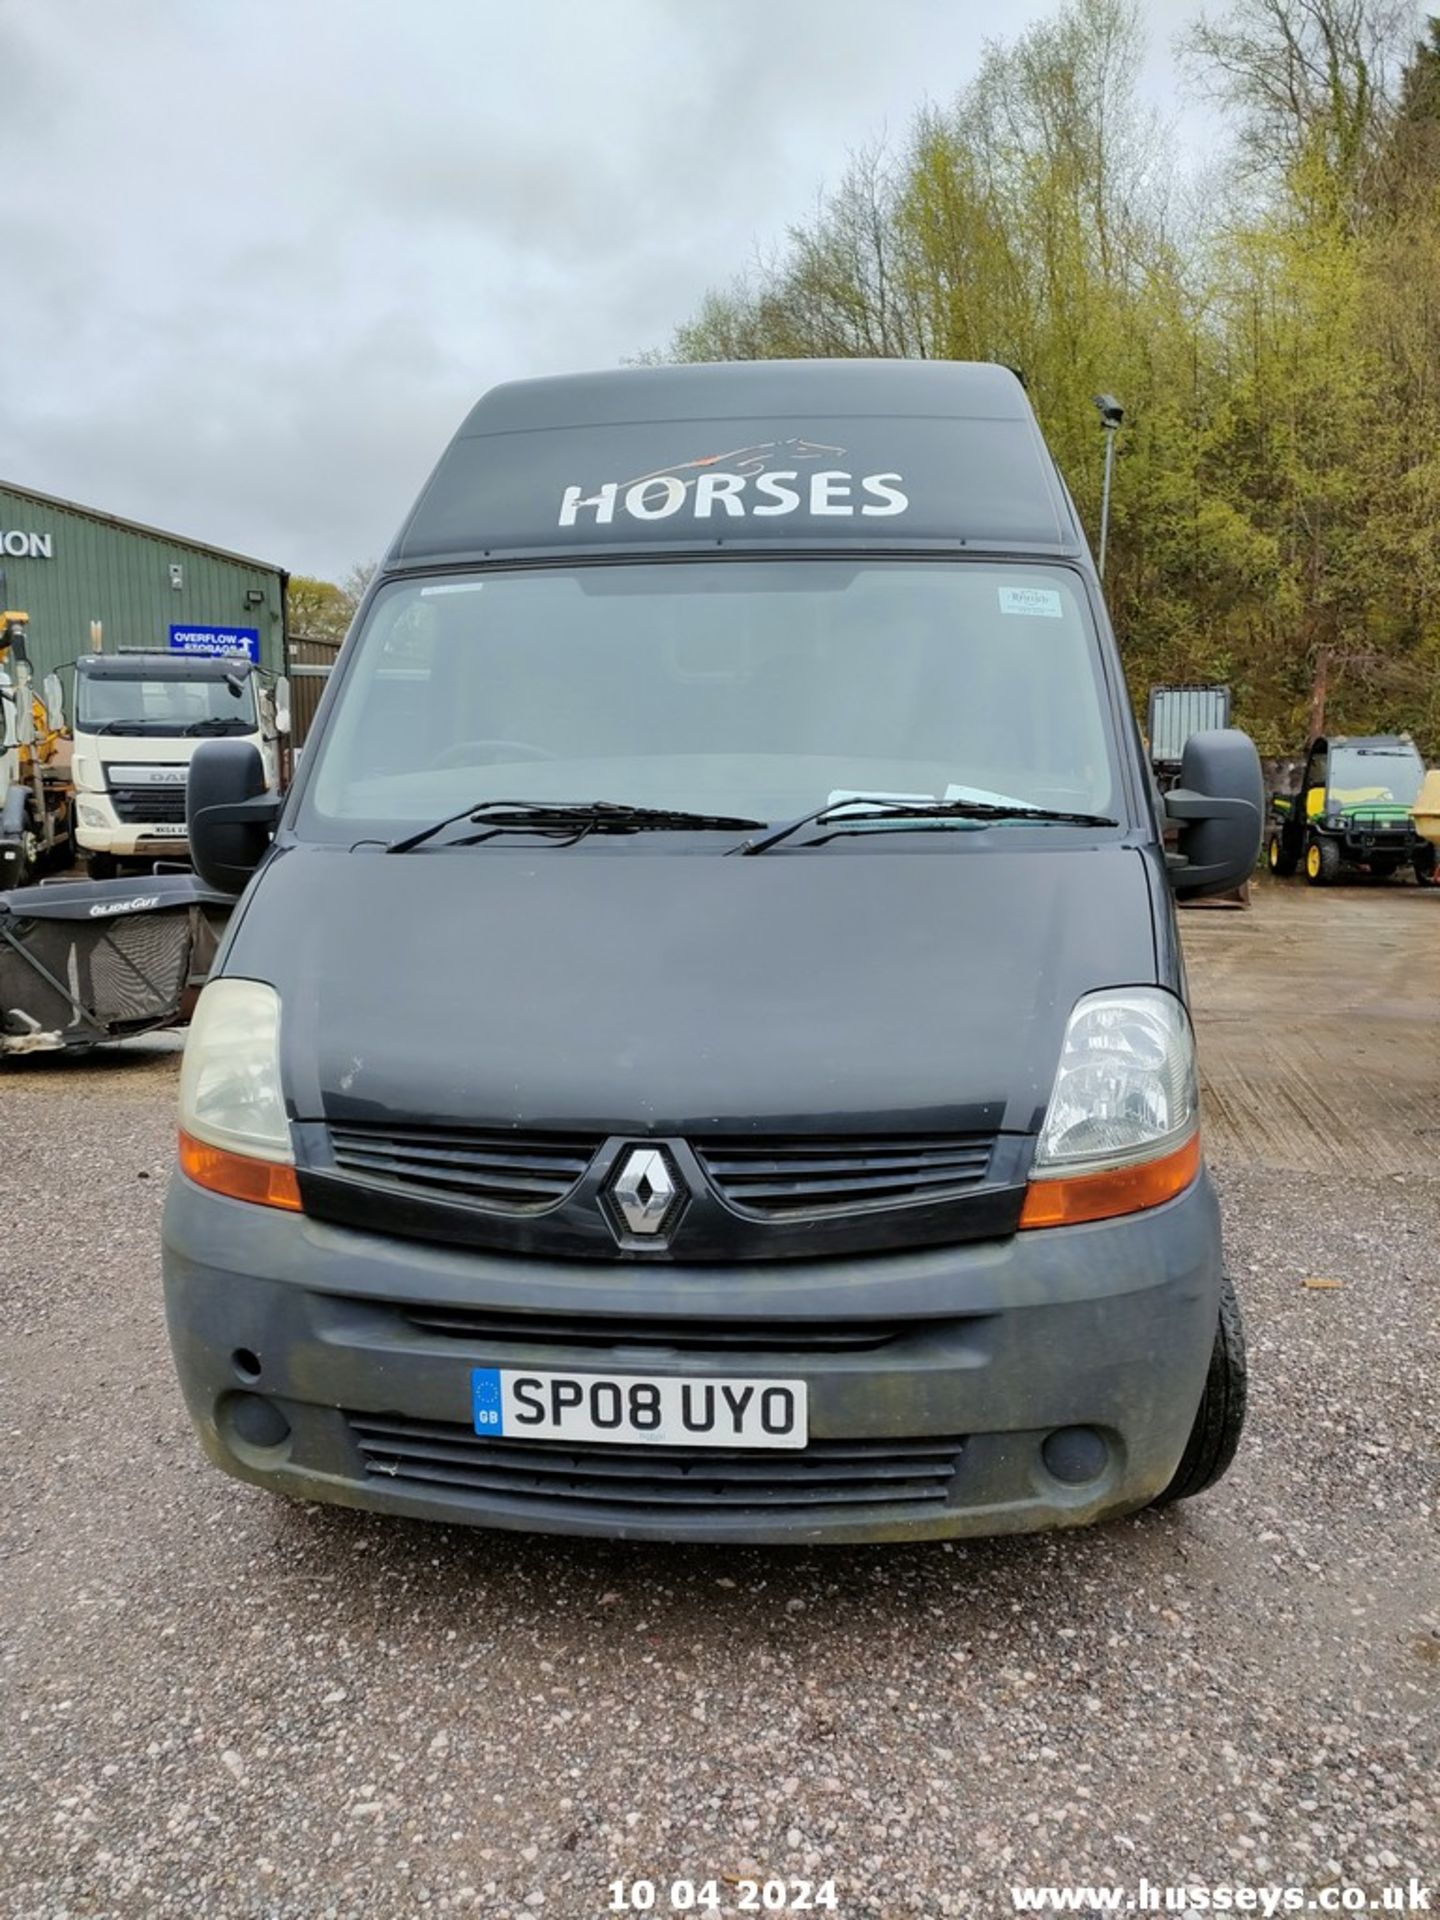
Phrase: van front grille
(827, 1474)
(776, 1177)
(519, 1173)
(749, 1196)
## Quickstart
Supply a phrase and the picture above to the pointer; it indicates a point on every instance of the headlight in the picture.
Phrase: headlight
(1126, 1084)
(234, 1132)
(1122, 1129)
(93, 816)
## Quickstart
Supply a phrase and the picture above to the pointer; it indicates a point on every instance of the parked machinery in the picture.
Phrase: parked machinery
(1354, 812)
(1174, 713)
(36, 803)
(84, 961)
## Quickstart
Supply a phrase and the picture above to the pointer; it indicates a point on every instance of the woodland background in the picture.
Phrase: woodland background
(1270, 320)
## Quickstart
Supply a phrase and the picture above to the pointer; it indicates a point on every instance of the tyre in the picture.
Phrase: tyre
(1220, 1418)
(1322, 863)
(1427, 866)
(101, 866)
(1278, 857)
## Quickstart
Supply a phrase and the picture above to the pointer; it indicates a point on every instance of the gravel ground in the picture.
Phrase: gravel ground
(213, 1703)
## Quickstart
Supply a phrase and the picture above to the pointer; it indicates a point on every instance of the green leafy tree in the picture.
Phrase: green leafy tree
(323, 610)
(1277, 500)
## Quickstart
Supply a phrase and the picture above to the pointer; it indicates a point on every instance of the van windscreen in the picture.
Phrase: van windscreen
(757, 688)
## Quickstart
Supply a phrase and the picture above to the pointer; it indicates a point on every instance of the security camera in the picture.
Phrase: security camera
(1112, 414)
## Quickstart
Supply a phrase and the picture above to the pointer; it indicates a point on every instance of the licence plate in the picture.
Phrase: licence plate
(638, 1409)
(164, 832)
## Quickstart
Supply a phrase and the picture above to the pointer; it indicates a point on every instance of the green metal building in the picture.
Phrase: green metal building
(68, 566)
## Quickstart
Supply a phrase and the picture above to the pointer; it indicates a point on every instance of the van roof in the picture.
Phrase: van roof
(859, 454)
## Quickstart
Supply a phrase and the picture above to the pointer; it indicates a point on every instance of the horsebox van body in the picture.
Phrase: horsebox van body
(702, 1051)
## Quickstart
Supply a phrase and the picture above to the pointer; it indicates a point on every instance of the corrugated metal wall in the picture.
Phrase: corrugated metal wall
(121, 575)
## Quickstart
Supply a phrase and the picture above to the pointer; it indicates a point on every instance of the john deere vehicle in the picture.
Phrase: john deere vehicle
(1354, 812)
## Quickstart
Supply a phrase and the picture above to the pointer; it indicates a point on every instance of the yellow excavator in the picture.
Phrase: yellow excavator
(35, 793)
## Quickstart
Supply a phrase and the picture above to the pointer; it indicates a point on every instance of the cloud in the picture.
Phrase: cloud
(260, 259)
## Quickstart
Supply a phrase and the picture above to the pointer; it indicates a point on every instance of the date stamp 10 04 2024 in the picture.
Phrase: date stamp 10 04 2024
(722, 1895)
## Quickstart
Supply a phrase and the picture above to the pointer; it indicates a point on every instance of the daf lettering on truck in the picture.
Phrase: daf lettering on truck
(702, 1049)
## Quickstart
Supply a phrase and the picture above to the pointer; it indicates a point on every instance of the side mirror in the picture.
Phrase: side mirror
(282, 705)
(230, 814)
(54, 702)
(1220, 807)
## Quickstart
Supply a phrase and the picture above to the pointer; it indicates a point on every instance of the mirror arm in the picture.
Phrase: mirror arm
(1181, 804)
(263, 811)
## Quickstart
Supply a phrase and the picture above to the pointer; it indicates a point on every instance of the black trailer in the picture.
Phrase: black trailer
(86, 961)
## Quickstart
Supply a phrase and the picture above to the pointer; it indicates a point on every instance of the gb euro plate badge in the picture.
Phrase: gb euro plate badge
(638, 1409)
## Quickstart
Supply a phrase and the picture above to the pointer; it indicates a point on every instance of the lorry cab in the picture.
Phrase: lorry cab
(139, 718)
(701, 1051)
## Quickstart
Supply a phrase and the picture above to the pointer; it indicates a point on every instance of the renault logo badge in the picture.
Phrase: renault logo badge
(646, 1194)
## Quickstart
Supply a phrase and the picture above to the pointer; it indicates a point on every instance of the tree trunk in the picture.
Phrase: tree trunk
(1319, 689)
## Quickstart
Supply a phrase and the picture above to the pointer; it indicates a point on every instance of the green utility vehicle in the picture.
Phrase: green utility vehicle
(1354, 812)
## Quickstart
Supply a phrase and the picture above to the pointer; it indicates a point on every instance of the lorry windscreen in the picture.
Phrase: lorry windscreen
(121, 703)
(760, 688)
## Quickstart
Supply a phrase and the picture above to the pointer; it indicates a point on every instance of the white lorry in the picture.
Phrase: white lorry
(138, 720)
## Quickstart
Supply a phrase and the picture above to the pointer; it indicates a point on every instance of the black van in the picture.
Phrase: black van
(702, 1051)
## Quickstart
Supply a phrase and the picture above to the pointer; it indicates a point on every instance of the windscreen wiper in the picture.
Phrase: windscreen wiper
(567, 821)
(863, 809)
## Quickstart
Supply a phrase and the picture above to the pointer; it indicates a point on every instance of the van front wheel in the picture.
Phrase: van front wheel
(1220, 1419)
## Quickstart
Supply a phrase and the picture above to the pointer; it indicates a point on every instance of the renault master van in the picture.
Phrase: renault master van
(701, 1052)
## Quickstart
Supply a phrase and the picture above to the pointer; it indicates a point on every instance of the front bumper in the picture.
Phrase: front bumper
(281, 1322)
(1363, 843)
(132, 842)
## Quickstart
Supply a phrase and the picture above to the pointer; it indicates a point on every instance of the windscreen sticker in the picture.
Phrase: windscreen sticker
(1043, 602)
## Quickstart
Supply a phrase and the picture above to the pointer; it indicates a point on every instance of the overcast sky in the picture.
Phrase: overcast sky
(257, 257)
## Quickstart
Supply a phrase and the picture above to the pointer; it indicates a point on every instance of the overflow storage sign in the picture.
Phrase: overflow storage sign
(217, 640)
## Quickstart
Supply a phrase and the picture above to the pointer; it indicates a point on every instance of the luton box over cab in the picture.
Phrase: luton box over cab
(913, 454)
(702, 1051)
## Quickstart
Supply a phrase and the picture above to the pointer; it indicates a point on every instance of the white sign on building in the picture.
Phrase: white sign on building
(17, 545)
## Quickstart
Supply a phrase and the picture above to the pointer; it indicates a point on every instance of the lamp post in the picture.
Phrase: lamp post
(1112, 415)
